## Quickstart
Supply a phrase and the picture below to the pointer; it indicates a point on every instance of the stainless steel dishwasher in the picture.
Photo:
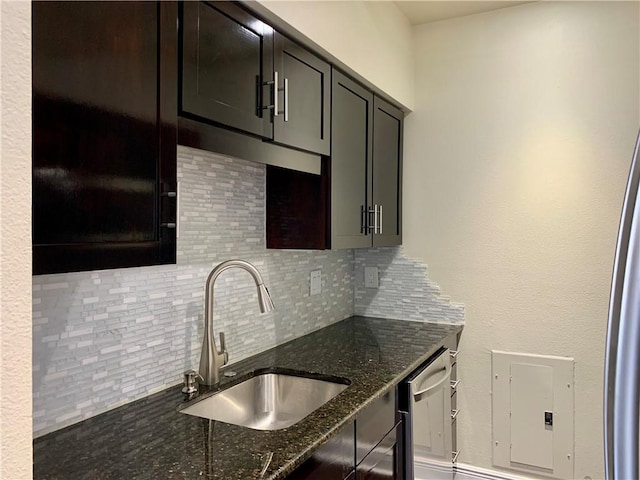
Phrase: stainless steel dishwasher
(425, 401)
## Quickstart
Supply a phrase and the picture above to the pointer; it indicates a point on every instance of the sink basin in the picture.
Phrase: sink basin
(268, 401)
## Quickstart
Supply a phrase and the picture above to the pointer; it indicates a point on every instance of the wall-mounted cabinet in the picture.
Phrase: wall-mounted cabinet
(116, 91)
(225, 56)
(104, 135)
(366, 168)
(385, 208)
(362, 181)
(237, 72)
(304, 121)
(351, 160)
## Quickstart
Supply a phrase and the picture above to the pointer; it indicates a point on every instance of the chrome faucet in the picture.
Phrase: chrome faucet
(212, 360)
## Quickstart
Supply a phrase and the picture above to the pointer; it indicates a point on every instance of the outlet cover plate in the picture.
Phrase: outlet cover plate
(315, 282)
(371, 277)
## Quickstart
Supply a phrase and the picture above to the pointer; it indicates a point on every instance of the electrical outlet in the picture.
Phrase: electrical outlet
(315, 282)
(371, 277)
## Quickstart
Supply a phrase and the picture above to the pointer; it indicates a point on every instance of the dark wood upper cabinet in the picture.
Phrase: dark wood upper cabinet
(103, 99)
(351, 159)
(226, 61)
(304, 91)
(387, 173)
(361, 184)
(366, 168)
(238, 73)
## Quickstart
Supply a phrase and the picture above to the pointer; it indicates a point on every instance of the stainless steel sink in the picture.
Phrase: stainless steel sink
(268, 401)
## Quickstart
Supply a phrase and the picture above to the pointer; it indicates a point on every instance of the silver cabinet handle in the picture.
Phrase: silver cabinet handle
(375, 226)
(377, 219)
(286, 99)
(454, 456)
(168, 225)
(454, 385)
(454, 414)
(275, 94)
(453, 354)
(274, 89)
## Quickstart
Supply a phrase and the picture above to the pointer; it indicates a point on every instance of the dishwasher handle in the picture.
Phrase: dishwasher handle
(417, 396)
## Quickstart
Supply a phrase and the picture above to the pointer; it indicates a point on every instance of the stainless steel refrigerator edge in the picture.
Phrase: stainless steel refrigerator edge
(622, 356)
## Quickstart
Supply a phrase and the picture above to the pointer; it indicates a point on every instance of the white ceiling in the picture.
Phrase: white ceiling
(425, 11)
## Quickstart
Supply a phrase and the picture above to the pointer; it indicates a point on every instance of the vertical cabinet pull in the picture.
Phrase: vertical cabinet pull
(375, 219)
(454, 456)
(286, 99)
(274, 91)
(376, 211)
(174, 195)
(275, 94)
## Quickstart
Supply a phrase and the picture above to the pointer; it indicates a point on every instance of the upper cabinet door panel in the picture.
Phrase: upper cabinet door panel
(227, 55)
(387, 172)
(99, 168)
(351, 133)
(304, 98)
(94, 120)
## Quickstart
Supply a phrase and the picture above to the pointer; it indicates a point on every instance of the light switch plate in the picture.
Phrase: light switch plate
(371, 277)
(315, 282)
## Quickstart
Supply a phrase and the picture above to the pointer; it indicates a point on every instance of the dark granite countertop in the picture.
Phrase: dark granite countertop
(150, 439)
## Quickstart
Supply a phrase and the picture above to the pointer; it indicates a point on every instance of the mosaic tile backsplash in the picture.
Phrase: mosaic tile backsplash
(105, 338)
(406, 292)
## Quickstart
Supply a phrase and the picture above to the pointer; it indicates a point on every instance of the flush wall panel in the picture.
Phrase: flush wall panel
(524, 388)
(531, 395)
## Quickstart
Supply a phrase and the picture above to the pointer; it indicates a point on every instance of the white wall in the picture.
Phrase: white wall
(516, 158)
(373, 38)
(15, 243)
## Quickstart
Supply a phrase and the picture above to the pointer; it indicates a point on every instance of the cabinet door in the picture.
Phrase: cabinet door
(226, 56)
(101, 176)
(387, 172)
(351, 142)
(334, 460)
(374, 423)
(382, 462)
(304, 94)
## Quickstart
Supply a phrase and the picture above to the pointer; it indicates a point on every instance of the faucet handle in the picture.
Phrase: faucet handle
(223, 349)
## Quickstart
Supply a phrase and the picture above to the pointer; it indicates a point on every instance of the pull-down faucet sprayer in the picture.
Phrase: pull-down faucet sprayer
(211, 361)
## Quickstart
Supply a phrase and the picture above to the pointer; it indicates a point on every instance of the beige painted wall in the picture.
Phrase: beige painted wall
(516, 158)
(373, 38)
(15, 243)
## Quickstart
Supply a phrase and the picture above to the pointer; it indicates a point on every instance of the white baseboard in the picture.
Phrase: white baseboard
(485, 473)
(424, 470)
